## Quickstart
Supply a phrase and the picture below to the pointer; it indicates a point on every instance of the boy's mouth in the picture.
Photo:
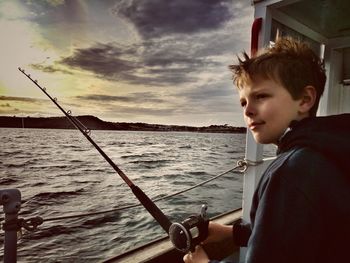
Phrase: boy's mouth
(255, 124)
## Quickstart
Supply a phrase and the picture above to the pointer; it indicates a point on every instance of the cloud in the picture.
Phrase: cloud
(149, 63)
(186, 45)
(20, 99)
(50, 69)
(6, 105)
(56, 2)
(207, 93)
(54, 11)
(140, 97)
(105, 60)
(24, 106)
(122, 111)
(209, 97)
(156, 18)
(136, 105)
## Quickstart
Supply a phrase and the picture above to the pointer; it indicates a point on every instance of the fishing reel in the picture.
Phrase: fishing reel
(186, 235)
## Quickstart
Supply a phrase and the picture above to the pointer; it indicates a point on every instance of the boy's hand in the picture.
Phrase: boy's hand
(198, 256)
(217, 232)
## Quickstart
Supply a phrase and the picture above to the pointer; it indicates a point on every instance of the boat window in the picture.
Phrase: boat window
(329, 18)
(280, 30)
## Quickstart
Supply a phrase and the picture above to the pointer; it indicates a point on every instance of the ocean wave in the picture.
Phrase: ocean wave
(49, 232)
(106, 218)
(7, 181)
(15, 165)
(120, 144)
(71, 146)
(48, 195)
(46, 198)
(50, 166)
(185, 147)
(76, 161)
(139, 156)
(10, 152)
(150, 164)
(198, 173)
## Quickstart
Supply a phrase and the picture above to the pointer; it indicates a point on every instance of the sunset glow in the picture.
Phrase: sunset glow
(133, 61)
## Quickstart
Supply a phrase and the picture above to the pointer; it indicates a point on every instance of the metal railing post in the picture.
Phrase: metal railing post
(11, 201)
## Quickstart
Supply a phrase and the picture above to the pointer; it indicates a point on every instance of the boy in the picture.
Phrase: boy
(301, 207)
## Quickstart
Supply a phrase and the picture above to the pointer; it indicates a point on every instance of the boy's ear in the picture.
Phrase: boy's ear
(307, 99)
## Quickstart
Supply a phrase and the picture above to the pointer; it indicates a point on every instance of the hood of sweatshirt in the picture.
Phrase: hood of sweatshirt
(329, 135)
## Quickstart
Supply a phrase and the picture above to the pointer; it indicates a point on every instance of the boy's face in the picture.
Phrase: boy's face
(268, 109)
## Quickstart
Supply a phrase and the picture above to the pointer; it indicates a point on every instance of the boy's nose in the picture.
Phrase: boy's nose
(249, 110)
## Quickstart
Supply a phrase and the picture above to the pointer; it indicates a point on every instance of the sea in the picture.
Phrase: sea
(59, 173)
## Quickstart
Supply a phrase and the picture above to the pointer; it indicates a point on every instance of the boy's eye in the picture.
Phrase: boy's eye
(261, 96)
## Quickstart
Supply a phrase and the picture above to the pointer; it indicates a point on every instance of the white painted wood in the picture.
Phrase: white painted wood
(297, 26)
(276, 3)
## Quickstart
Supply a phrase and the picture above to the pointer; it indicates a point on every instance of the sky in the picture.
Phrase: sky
(152, 61)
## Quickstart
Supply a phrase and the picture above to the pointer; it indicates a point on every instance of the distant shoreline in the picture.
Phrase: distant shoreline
(95, 123)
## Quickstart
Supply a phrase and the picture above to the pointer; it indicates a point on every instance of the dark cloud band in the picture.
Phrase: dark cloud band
(156, 18)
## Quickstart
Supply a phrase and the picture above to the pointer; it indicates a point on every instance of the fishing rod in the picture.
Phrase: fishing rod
(185, 235)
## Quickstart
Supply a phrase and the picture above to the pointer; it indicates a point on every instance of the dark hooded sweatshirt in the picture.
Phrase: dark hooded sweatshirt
(301, 207)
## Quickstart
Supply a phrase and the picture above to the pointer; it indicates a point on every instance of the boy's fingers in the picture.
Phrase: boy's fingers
(196, 256)
(187, 258)
(198, 247)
